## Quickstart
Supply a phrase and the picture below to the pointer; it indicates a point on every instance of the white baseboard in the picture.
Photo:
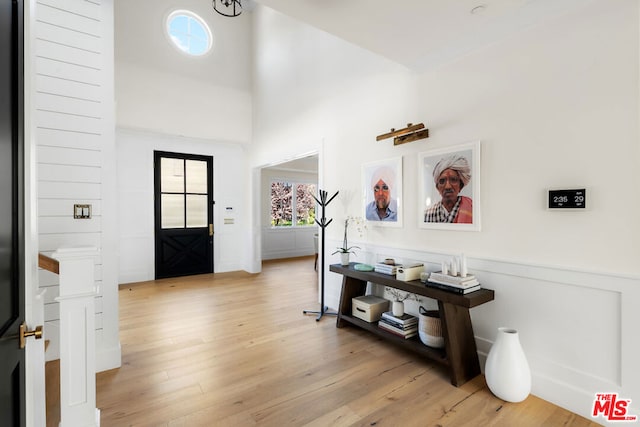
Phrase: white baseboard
(108, 358)
(285, 254)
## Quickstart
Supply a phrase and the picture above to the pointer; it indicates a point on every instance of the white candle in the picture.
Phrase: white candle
(463, 266)
(454, 266)
(445, 270)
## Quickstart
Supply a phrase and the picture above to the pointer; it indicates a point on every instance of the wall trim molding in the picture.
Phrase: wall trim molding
(578, 327)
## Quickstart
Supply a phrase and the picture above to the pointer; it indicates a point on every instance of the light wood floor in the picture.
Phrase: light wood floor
(234, 349)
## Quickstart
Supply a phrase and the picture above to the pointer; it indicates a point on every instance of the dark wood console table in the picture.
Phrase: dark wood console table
(459, 355)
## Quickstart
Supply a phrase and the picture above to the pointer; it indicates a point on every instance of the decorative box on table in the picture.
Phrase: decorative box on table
(409, 272)
(369, 307)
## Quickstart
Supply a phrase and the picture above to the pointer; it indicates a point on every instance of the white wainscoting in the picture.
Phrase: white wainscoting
(578, 328)
(287, 242)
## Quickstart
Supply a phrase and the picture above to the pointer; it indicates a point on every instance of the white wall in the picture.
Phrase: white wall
(136, 195)
(166, 100)
(150, 99)
(162, 90)
(73, 132)
(141, 39)
(552, 106)
(284, 242)
(555, 107)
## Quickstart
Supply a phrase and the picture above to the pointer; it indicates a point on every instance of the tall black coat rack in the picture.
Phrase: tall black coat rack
(323, 223)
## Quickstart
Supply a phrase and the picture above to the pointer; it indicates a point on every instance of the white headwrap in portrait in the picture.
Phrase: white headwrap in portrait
(454, 162)
(384, 173)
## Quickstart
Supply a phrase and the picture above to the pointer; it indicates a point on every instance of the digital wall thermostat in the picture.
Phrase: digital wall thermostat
(568, 199)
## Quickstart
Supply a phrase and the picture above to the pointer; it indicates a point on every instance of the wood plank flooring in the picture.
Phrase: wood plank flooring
(234, 349)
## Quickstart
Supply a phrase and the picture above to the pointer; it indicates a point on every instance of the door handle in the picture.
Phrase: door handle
(24, 334)
(210, 229)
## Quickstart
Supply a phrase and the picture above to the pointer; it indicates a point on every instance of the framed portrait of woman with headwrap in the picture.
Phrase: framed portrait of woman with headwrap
(382, 192)
(450, 187)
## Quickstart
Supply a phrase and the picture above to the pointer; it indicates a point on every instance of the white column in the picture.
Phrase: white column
(77, 337)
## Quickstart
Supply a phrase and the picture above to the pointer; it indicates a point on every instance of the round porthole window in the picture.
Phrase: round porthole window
(189, 33)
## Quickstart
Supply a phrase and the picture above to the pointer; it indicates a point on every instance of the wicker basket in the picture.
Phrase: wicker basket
(430, 328)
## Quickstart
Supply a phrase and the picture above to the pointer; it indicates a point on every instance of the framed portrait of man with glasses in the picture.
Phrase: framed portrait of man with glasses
(450, 188)
(382, 192)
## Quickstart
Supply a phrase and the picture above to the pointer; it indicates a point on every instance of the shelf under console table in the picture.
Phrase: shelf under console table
(460, 354)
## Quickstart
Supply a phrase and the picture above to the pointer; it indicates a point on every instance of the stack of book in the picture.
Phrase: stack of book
(405, 326)
(390, 269)
(457, 284)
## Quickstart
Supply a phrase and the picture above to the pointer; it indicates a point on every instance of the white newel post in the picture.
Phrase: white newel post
(77, 337)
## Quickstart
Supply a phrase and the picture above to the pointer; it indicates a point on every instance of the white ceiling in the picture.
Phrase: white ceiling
(305, 164)
(415, 33)
(422, 33)
(418, 34)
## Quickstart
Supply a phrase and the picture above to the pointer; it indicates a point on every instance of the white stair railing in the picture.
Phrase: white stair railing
(77, 337)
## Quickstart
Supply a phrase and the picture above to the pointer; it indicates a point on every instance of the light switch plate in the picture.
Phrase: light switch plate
(81, 211)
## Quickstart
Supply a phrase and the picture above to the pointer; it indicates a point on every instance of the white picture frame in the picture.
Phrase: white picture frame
(387, 170)
(466, 214)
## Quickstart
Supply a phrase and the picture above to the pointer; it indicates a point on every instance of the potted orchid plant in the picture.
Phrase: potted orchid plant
(345, 250)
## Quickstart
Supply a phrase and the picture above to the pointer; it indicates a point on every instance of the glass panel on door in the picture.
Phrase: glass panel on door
(172, 175)
(196, 176)
(196, 210)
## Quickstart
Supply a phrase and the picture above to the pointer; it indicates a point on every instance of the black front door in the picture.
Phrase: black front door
(183, 214)
(12, 370)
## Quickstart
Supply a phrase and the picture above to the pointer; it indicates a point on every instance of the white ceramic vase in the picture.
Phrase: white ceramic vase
(397, 308)
(344, 258)
(507, 370)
